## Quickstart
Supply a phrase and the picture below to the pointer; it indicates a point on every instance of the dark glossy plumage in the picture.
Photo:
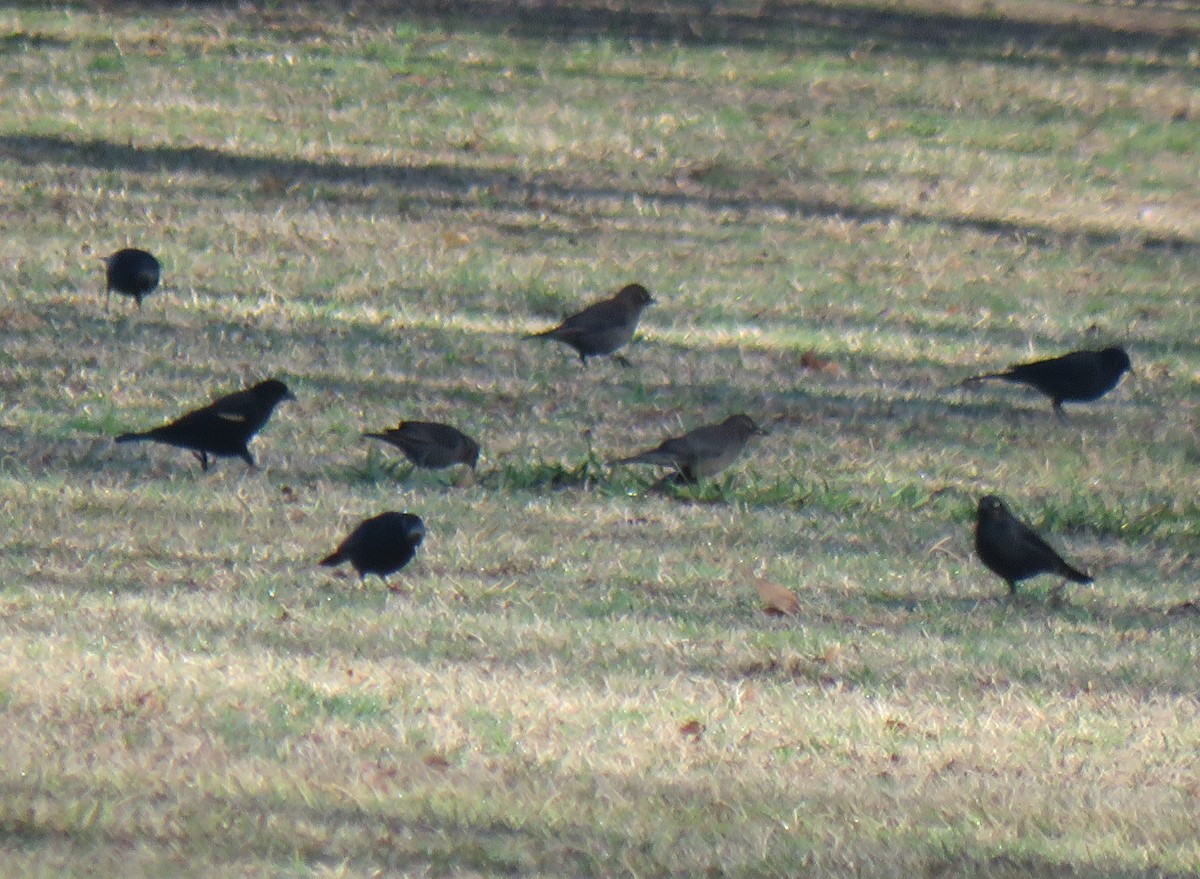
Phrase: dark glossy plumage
(603, 327)
(1072, 378)
(224, 427)
(131, 272)
(1012, 550)
(380, 545)
(703, 451)
(430, 444)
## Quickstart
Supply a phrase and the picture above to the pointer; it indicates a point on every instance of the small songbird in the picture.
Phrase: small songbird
(603, 327)
(701, 452)
(1012, 550)
(432, 445)
(1076, 377)
(380, 545)
(222, 428)
(131, 272)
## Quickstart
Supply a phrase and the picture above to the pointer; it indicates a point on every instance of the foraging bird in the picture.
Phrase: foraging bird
(132, 272)
(602, 327)
(432, 445)
(1012, 550)
(380, 545)
(1076, 377)
(223, 427)
(703, 451)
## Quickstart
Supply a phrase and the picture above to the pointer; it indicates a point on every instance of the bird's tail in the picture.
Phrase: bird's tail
(652, 457)
(134, 437)
(1003, 376)
(378, 436)
(332, 560)
(1075, 575)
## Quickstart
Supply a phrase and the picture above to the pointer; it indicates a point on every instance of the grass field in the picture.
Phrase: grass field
(841, 210)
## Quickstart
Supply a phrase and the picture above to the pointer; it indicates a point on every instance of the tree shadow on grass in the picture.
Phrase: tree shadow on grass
(461, 185)
(401, 816)
(1097, 35)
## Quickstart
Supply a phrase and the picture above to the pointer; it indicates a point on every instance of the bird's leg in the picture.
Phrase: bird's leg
(1012, 588)
(202, 457)
(249, 459)
(623, 360)
(1060, 412)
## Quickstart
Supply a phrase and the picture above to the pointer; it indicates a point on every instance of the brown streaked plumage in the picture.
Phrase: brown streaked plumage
(430, 444)
(603, 327)
(703, 451)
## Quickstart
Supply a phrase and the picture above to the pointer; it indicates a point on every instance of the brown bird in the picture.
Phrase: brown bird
(432, 445)
(1077, 377)
(603, 327)
(380, 545)
(703, 451)
(1014, 551)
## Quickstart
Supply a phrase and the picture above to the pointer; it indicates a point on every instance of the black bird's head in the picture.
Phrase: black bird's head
(414, 528)
(1117, 359)
(471, 453)
(634, 296)
(745, 424)
(990, 507)
(272, 391)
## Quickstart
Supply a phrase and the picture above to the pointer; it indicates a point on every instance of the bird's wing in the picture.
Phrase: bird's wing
(597, 316)
(677, 450)
(1032, 544)
(707, 441)
(428, 433)
(242, 403)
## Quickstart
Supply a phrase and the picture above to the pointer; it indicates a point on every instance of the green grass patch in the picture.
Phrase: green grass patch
(841, 213)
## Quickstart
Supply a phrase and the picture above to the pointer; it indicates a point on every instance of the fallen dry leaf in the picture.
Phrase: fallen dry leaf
(812, 360)
(777, 600)
(693, 728)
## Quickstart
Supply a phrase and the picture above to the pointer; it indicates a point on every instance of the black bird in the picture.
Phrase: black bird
(432, 445)
(132, 272)
(223, 427)
(1012, 550)
(380, 545)
(604, 326)
(703, 451)
(1076, 377)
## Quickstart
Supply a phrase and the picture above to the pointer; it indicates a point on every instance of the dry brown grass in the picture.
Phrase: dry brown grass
(840, 214)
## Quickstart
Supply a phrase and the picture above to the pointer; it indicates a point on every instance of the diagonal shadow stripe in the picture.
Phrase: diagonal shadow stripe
(451, 184)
